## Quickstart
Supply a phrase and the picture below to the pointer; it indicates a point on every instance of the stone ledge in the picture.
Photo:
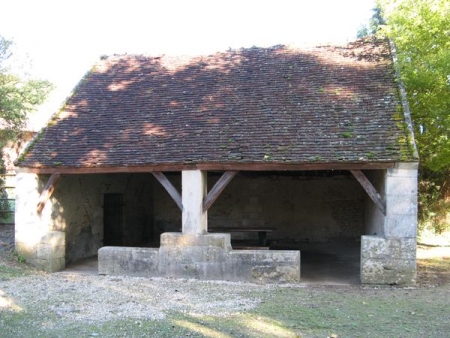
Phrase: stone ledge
(205, 262)
(137, 262)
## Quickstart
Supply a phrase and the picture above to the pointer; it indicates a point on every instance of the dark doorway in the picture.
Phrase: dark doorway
(113, 219)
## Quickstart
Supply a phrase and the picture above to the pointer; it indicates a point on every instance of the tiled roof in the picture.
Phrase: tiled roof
(259, 105)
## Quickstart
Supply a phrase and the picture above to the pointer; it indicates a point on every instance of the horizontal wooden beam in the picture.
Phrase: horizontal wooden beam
(212, 167)
(173, 192)
(370, 190)
(48, 191)
(217, 189)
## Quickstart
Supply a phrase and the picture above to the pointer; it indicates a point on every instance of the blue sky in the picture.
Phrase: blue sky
(64, 39)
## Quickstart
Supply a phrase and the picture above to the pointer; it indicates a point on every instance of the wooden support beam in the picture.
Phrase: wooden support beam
(370, 189)
(218, 188)
(173, 192)
(48, 191)
(210, 167)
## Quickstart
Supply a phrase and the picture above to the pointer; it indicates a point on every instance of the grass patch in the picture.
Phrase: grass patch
(8, 272)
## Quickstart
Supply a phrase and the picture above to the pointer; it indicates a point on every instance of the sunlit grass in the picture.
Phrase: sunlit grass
(8, 304)
(198, 328)
(266, 326)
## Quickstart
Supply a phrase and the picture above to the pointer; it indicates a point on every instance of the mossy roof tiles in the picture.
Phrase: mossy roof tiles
(327, 104)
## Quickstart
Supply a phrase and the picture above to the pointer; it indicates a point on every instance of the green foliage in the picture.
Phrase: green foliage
(347, 134)
(420, 30)
(18, 95)
(434, 201)
(375, 22)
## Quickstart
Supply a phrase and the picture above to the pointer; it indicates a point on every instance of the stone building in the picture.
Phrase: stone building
(161, 164)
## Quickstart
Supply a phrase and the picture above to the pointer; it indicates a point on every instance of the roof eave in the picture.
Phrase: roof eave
(213, 167)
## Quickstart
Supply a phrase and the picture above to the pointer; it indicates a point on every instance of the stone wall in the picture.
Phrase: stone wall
(82, 210)
(390, 257)
(70, 226)
(304, 208)
(206, 257)
(301, 208)
(38, 239)
(373, 217)
(314, 209)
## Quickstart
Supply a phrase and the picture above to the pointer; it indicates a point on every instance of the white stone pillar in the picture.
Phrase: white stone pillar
(401, 201)
(390, 258)
(194, 189)
(37, 241)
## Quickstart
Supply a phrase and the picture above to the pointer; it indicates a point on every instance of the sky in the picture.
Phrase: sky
(64, 39)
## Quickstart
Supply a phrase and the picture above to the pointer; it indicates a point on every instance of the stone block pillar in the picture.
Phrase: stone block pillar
(38, 241)
(194, 189)
(391, 258)
(401, 203)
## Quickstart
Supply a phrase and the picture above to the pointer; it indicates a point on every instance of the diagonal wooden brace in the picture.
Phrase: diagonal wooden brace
(173, 192)
(216, 190)
(48, 191)
(370, 190)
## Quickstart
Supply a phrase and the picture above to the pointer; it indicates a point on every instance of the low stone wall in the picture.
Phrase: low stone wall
(388, 260)
(206, 257)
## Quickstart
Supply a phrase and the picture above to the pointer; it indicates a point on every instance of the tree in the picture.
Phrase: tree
(374, 23)
(18, 95)
(420, 30)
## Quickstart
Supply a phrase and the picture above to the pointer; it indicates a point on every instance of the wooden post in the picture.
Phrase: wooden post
(370, 190)
(48, 191)
(173, 192)
(217, 189)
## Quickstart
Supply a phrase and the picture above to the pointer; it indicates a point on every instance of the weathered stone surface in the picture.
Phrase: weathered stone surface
(206, 257)
(401, 226)
(177, 239)
(388, 261)
(374, 247)
(262, 266)
(193, 256)
(393, 272)
(402, 205)
(49, 265)
(401, 185)
(36, 239)
(142, 262)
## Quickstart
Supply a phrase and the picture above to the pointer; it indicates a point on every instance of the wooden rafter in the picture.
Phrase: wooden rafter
(211, 167)
(370, 189)
(48, 191)
(218, 188)
(173, 192)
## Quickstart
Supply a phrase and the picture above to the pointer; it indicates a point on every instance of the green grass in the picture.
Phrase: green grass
(282, 312)
(8, 272)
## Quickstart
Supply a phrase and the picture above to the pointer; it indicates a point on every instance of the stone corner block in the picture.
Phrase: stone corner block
(400, 226)
(49, 265)
(178, 239)
(388, 260)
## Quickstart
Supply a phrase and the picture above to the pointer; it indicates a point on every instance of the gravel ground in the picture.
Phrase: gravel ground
(92, 299)
(74, 299)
